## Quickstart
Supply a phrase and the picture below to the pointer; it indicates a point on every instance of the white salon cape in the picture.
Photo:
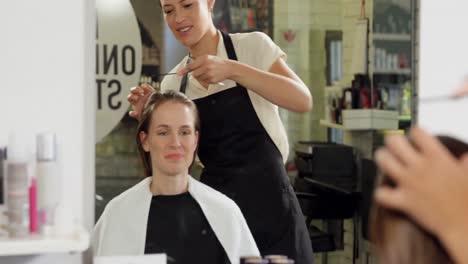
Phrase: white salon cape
(121, 229)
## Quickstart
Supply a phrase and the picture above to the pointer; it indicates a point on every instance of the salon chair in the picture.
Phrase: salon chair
(326, 187)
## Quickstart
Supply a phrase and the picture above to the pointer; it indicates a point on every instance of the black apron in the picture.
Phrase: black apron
(243, 162)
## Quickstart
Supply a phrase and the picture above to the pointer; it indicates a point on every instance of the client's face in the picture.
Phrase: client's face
(171, 139)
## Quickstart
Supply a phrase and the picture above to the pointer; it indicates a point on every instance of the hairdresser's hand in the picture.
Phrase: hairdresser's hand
(431, 186)
(208, 69)
(137, 98)
(462, 90)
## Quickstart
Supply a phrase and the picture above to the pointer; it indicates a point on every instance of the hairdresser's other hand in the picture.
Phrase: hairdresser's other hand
(208, 69)
(431, 186)
(462, 90)
(137, 98)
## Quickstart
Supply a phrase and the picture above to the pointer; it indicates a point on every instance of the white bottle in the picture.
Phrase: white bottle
(48, 181)
(3, 211)
(19, 165)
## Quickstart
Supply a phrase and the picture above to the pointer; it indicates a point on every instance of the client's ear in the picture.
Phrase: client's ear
(144, 140)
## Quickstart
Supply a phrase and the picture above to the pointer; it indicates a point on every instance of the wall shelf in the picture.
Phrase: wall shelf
(33, 246)
(405, 71)
(330, 124)
(404, 118)
(365, 119)
(392, 37)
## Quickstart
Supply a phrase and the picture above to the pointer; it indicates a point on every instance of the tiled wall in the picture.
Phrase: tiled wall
(292, 15)
(351, 12)
(308, 20)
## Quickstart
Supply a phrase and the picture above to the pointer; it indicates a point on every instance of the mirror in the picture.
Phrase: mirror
(325, 46)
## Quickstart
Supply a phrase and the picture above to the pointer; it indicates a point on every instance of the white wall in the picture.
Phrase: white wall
(443, 65)
(47, 83)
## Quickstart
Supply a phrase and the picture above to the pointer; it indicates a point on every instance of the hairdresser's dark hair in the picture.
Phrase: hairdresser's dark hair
(154, 101)
(400, 240)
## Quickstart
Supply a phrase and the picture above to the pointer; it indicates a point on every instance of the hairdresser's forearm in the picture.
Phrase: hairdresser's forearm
(278, 89)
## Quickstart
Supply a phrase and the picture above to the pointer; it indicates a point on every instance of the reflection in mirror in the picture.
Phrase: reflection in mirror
(319, 38)
(334, 48)
(118, 34)
(387, 85)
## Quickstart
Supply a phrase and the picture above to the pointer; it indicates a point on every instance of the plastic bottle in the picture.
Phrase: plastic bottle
(276, 258)
(47, 181)
(3, 216)
(19, 166)
(253, 260)
(32, 193)
(405, 109)
(2, 174)
(65, 220)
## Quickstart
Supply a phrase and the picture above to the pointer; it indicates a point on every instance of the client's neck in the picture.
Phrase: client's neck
(169, 184)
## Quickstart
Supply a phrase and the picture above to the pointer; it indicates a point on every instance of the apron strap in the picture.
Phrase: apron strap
(183, 84)
(229, 46)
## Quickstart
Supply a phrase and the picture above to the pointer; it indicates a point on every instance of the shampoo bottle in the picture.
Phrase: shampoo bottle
(47, 181)
(17, 185)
